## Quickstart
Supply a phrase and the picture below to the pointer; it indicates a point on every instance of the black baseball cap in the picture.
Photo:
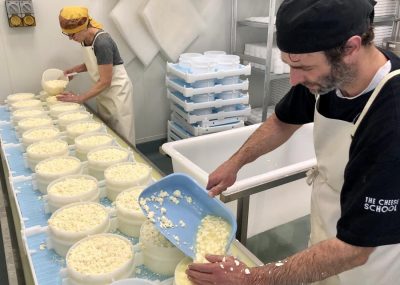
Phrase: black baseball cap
(305, 26)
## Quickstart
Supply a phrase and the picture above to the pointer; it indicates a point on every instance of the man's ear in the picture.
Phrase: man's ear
(351, 49)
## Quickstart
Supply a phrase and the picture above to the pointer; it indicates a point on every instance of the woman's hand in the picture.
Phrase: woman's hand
(70, 71)
(222, 270)
(70, 97)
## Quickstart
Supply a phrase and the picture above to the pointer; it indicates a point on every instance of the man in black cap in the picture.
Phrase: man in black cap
(350, 90)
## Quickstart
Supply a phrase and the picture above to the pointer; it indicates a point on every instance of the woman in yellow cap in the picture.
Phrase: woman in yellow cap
(112, 86)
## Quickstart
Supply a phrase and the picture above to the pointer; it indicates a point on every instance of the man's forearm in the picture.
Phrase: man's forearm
(270, 135)
(323, 260)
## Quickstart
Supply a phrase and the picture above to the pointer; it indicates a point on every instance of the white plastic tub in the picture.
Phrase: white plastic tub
(199, 156)
(70, 117)
(100, 158)
(112, 250)
(87, 142)
(35, 122)
(124, 175)
(44, 149)
(53, 168)
(159, 254)
(41, 133)
(129, 214)
(71, 189)
(74, 222)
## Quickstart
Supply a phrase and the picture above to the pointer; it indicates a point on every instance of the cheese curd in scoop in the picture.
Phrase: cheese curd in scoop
(149, 234)
(211, 238)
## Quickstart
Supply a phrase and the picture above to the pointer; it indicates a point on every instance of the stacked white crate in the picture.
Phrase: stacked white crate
(208, 100)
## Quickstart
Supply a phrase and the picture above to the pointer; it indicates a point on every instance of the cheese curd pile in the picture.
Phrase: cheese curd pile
(26, 103)
(108, 155)
(24, 113)
(212, 237)
(129, 200)
(83, 127)
(57, 165)
(70, 187)
(127, 172)
(20, 96)
(78, 218)
(74, 116)
(42, 133)
(34, 122)
(93, 141)
(150, 235)
(55, 86)
(47, 147)
(99, 255)
(64, 107)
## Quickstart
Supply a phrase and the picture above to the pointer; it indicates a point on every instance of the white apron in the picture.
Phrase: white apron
(115, 103)
(332, 139)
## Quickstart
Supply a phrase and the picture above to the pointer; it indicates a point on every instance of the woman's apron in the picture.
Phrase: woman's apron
(115, 103)
(332, 139)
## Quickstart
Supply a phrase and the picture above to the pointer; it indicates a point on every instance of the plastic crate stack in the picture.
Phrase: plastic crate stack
(207, 94)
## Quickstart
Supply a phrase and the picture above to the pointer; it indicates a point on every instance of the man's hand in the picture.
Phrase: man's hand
(221, 178)
(222, 270)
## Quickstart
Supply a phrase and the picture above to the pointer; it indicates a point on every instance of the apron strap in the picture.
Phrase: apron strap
(95, 37)
(373, 96)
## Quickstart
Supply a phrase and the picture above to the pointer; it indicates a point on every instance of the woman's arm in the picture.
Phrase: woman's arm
(78, 68)
(105, 72)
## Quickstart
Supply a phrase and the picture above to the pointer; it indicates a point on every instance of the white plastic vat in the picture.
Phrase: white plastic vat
(199, 156)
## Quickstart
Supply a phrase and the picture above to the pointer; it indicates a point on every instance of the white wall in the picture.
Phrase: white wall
(26, 52)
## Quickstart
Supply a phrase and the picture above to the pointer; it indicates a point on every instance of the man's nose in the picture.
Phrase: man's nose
(296, 76)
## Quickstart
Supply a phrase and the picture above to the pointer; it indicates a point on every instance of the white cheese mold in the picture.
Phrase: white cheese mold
(100, 259)
(74, 222)
(129, 214)
(53, 168)
(102, 157)
(71, 189)
(124, 175)
(159, 254)
(87, 142)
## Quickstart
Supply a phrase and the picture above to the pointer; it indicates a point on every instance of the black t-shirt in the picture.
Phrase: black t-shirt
(106, 50)
(369, 201)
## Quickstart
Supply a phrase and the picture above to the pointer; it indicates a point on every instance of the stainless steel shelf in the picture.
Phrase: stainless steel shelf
(387, 19)
(273, 76)
(252, 24)
(250, 58)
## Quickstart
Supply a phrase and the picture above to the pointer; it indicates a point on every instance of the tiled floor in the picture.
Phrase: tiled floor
(272, 245)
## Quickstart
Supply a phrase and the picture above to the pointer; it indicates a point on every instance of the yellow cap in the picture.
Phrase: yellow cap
(74, 19)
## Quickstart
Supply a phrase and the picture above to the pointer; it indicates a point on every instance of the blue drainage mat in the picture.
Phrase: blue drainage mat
(45, 263)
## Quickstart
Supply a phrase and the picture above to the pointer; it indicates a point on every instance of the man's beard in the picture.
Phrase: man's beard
(341, 75)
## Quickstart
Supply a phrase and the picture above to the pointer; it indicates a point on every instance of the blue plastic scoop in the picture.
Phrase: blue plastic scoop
(177, 204)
